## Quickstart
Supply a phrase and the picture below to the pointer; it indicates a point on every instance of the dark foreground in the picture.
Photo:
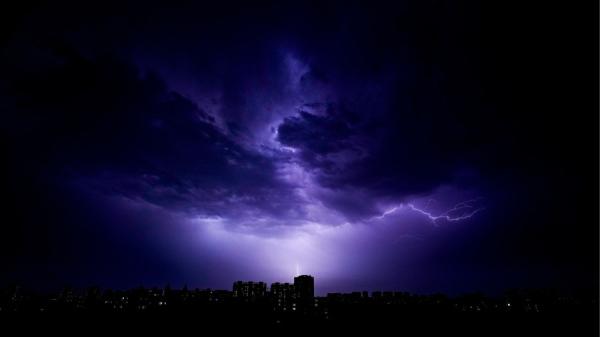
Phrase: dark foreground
(202, 323)
(166, 311)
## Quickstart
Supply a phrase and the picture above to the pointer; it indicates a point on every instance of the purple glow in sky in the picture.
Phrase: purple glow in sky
(304, 223)
(375, 146)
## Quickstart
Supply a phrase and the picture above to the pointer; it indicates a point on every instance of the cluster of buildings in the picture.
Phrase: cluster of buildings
(283, 301)
(283, 297)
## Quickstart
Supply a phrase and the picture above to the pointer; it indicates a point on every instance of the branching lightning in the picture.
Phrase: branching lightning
(461, 211)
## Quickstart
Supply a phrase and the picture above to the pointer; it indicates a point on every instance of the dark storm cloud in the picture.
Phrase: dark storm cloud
(319, 138)
(405, 144)
(278, 119)
(403, 111)
(102, 121)
(315, 134)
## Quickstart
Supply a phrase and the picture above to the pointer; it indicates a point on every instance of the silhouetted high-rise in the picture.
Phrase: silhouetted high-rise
(283, 296)
(304, 286)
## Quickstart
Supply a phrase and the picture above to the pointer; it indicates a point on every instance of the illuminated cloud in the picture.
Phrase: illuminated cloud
(373, 147)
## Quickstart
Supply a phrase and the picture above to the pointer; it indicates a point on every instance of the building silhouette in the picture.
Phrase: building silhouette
(304, 286)
(249, 291)
(283, 297)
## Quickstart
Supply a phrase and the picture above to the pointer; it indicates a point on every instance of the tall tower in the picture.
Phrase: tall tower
(304, 286)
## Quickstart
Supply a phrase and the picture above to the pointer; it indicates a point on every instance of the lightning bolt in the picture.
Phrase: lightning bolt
(386, 213)
(461, 211)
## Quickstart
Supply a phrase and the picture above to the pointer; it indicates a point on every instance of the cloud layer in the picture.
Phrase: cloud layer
(247, 139)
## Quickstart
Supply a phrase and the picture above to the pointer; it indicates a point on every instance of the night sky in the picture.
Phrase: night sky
(420, 146)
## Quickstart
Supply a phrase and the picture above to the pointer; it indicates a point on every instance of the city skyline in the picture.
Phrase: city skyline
(249, 305)
(287, 295)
